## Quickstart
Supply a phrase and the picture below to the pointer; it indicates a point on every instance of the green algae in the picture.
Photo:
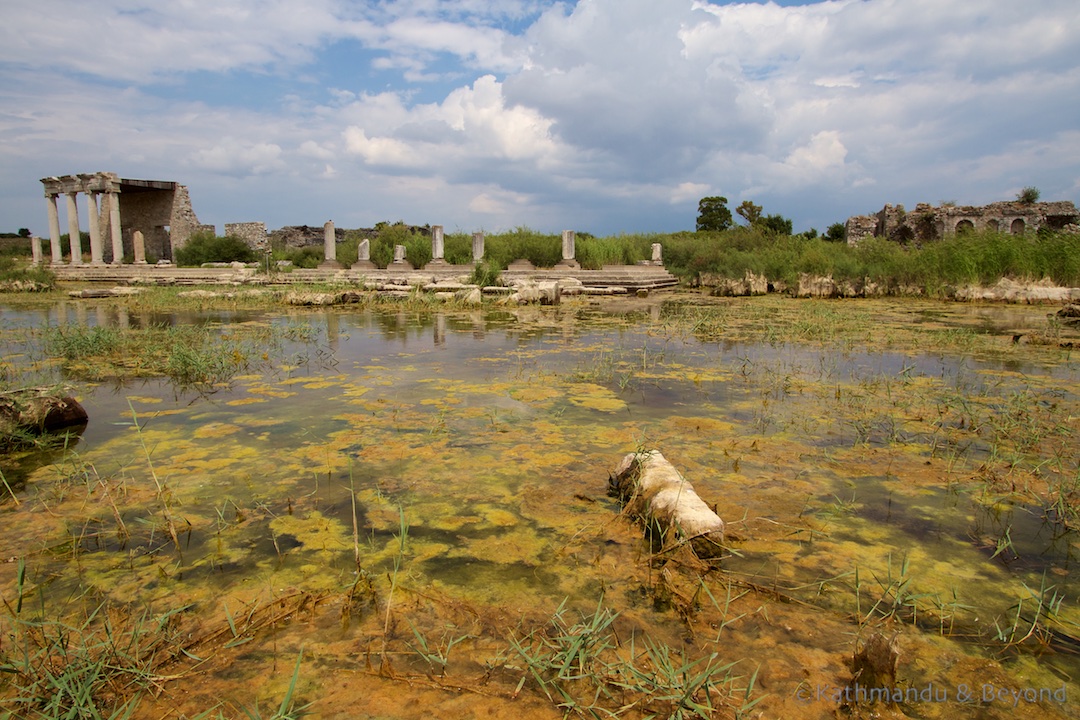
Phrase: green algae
(824, 464)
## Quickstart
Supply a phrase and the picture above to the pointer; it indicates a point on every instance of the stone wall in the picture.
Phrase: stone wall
(927, 223)
(252, 233)
(298, 236)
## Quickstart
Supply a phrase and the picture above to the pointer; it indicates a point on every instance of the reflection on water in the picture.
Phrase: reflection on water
(492, 435)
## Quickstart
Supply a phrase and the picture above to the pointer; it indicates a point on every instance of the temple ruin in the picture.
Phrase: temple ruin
(121, 211)
(927, 223)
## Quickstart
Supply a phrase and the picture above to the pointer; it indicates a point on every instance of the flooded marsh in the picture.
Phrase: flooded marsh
(379, 511)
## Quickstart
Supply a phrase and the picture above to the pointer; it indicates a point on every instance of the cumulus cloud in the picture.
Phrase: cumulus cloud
(599, 111)
(235, 157)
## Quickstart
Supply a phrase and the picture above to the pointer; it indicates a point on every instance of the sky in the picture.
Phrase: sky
(601, 116)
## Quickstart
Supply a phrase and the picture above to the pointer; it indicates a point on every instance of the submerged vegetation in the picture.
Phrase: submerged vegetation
(353, 505)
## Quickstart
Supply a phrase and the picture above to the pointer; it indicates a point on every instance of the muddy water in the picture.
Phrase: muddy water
(458, 463)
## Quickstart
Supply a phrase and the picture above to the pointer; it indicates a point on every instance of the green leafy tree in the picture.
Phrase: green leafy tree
(24, 232)
(837, 232)
(713, 214)
(749, 212)
(775, 224)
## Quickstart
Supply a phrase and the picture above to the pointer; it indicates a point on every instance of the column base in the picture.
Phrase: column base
(330, 265)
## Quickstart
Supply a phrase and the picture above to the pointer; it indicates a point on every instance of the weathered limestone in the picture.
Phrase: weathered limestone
(657, 254)
(568, 250)
(399, 258)
(35, 250)
(139, 243)
(252, 233)
(329, 246)
(74, 234)
(54, 228)
(545, 292)
(438, 246)
(477, 247)
(97, 250)
(363, 255)
(114, 228)
(160, 209)
(657, 494)
(927, 223)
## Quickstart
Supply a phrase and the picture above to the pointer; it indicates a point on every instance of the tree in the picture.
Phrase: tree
(837, 232)
(713, 214)
(775, 225)
(24, 232)
(750, 212)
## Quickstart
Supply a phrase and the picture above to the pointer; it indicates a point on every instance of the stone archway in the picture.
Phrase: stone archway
(1018, 226)
(965, 226)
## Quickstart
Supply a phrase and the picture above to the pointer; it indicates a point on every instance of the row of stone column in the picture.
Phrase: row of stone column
(438, 249)
(97, 247)
(138, 241)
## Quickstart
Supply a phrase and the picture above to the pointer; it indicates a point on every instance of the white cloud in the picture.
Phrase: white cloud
(687, 191)
(599, 111)
(235, 157)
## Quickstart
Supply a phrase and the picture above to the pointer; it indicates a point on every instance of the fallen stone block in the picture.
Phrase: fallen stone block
(655, 493)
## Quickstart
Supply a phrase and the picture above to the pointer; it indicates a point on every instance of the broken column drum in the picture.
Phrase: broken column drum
(657, 494)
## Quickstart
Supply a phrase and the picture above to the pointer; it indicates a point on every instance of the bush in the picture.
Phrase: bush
(205, 247)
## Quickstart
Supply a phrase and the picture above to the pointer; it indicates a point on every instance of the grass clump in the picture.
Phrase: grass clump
(190, 355)
(18, 275)
(99, 667)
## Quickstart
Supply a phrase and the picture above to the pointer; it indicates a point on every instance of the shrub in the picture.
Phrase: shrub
(1029, 195)
(205, 247)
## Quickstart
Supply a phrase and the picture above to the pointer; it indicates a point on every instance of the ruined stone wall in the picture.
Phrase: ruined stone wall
(183, 222)
(927, 223)
(252, 233)
(151, 212)
(298, 236)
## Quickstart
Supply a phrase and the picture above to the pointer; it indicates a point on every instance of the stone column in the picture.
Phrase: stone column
(438, 248)
(114, 228)
(97, 252)
(35, 249)
(140, 247)
(477, 247)
(54, 229)
(363, 255)
(657, 254)
(568, 249)
(399, 254)
(74, 236)
(329, 246)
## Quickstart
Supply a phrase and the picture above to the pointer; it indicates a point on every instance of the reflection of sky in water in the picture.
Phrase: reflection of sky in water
(495, 437)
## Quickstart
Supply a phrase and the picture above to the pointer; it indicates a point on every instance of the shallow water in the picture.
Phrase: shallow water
(867, 485)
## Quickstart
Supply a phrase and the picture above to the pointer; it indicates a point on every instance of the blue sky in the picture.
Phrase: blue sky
(604, 116)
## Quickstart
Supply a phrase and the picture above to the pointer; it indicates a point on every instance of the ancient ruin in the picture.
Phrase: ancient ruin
(927, 223)
(160, 210)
